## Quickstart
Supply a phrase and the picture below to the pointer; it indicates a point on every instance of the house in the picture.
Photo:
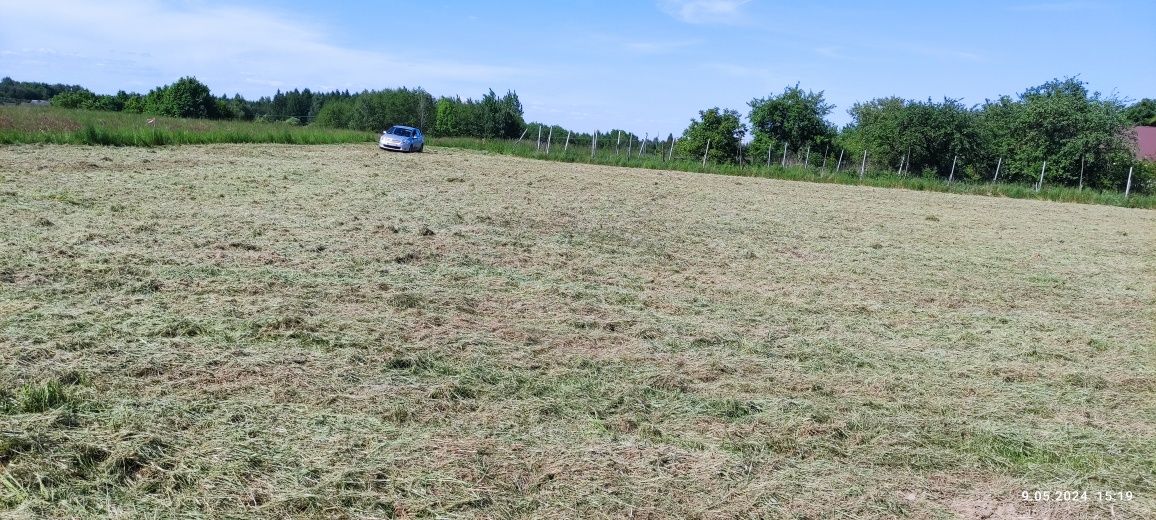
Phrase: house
(1146, 142)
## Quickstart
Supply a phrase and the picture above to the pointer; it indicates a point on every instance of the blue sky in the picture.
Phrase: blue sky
(645, 65)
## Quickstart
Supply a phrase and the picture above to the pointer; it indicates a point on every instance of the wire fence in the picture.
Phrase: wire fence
(831, 165)
(619, 146)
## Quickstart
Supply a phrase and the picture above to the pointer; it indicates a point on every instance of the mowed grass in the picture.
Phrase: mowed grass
(337, 332)
(816, 172)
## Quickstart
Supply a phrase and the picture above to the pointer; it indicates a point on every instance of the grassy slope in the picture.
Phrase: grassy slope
(334, 331)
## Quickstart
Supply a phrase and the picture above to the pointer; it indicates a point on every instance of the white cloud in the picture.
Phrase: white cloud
(140, 44)
(704, 11)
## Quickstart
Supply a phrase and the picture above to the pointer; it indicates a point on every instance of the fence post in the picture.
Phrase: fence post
(567, 147)
(642, 145)
(785, 146)
(523, 134)
(704, 154)
(807, 161)
(671, 152)
(1128, 187)
(619, 143)
(539, 138)
(863, 167)
(629, 144)
(826, 148)
(839, 165)
(769, 155)
(1081, 173)
(997, 165)
(951, 177)
(549, 139)
(1040, 184)
(594, 144)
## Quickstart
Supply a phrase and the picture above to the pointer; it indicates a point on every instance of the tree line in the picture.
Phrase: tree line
(16, 91)
(1085, 138)
(492, 116)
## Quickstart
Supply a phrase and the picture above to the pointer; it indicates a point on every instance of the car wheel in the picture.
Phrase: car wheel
(421, 148)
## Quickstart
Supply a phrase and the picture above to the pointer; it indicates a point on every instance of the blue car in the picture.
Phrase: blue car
(402, 138)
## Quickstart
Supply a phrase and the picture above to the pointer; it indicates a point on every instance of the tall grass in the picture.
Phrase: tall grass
(30, 125)
(796, 173)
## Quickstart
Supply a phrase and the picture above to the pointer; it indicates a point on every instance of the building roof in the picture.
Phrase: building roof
(1146, 142)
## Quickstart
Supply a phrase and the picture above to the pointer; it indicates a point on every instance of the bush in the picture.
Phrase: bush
(1144, 177)
(335, 114)
(85, 100)
(185, 98)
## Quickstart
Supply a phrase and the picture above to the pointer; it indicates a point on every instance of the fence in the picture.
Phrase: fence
(832, 165)
(618, 147)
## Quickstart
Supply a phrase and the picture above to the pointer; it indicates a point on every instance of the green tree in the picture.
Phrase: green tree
(366, 113)
(877, 128)
(378, 110)
(795, 117)
(187, 97)
(85, 99)
(238, 108)
(135, 104)
(1142, 113)
(30, 90)
(74, 99)
(447, 121)
(722, 128)
(511, 123)
(499, 117)
(1062, 123)
(920, 136)
(335, 113)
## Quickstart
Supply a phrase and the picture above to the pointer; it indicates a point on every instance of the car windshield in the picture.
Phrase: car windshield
(404, 132)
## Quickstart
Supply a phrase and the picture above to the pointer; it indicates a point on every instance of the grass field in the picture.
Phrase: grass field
(20, 124)
(50, 125)
(337, 332)
(848, 174)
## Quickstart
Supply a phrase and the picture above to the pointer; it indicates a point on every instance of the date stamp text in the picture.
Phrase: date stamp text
(1068, 495)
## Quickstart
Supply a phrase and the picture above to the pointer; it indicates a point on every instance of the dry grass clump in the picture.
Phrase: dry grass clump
(295, 331)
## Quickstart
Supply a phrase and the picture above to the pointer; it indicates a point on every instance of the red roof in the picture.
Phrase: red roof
(1146, 142)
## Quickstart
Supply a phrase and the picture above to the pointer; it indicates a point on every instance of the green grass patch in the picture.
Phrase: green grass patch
(35, 398)
(51, 125)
